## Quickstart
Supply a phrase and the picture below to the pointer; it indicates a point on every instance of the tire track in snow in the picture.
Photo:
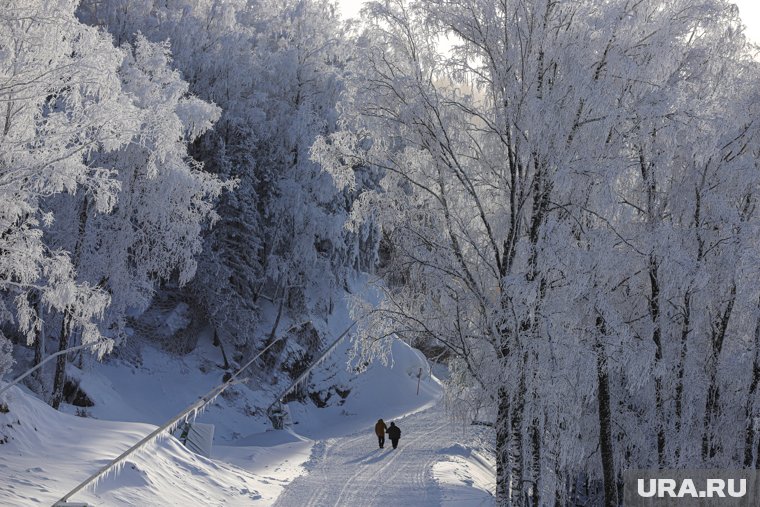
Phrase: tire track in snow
(317, 498)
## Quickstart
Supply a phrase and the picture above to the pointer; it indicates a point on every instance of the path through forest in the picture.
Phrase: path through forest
(352, 470)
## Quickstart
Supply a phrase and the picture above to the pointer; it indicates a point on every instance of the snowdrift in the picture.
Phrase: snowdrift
(47, 453)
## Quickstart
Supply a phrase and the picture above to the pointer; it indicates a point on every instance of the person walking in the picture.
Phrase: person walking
(394, 433)
(380, 429)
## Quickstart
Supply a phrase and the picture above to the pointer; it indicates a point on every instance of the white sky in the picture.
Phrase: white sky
(748, 9)
(350, 8)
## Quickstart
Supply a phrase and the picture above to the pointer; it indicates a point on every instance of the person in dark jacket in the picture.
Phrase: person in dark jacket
(380, 429)
(394, 433)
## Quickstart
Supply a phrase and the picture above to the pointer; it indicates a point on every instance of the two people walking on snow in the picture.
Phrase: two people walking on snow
(394, 433)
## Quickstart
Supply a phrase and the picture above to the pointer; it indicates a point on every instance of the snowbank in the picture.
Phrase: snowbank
(466, 477)
(47, 453)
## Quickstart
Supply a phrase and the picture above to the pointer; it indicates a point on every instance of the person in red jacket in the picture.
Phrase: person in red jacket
(394, 433)
(380, 429)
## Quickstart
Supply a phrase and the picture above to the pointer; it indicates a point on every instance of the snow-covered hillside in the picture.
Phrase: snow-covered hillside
(47, 453)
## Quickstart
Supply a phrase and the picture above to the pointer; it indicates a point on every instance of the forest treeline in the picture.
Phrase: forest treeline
(559, 198)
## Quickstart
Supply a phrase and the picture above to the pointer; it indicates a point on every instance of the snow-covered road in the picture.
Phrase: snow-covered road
(352, 470)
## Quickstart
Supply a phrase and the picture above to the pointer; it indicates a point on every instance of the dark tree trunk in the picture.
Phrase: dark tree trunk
(717, 335)
(654, 313)
(60, 365)
(647, 176)
(516, 459)
(750, 406)
(38, 354)
(39, 345)
(502, 449)
(535, 444)
(605, 420)
(559, 494)
(63, 343)
(685, 330)
(218, 343)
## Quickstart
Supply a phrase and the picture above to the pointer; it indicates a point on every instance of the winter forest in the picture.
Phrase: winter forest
(557, 200)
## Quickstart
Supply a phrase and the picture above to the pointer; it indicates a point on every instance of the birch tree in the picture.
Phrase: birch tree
(534, 180)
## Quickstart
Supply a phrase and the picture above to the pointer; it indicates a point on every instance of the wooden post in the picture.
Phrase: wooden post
(419, 377)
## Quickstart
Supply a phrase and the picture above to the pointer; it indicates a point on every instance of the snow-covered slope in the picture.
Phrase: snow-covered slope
(382, 391)
(162, 384)
(48, 453)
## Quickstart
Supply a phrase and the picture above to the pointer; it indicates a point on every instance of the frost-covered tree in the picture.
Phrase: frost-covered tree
(544, 200)
(276, 70)
(292, 247)
(100, 199)
(164, 198)
(153, 232)
(61, 101)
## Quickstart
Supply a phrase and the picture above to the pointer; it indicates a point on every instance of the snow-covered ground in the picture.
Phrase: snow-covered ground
(332, 449)
(429, 468)
(44, 459)
(335, 446)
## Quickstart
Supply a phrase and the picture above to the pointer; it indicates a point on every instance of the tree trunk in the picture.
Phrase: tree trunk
(516, 459)
(685, 330)
(647, 176)
(39, 345)
(717, 335)
(60, 364)
(218, 343)
(605, 420)
(654, 313)
(560, 492)
(749, 410)
(535, 444)
(502, 449)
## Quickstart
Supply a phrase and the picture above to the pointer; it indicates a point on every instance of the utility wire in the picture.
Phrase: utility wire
(181, 417)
